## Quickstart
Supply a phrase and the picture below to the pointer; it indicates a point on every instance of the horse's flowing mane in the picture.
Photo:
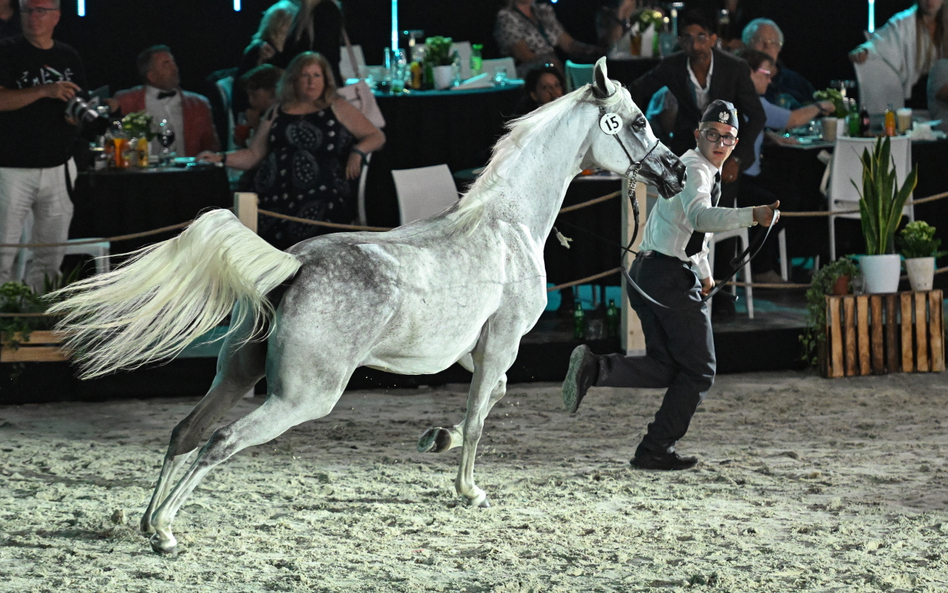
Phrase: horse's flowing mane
(521, 132)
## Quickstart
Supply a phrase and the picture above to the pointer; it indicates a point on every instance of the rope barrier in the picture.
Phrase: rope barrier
(350, 227)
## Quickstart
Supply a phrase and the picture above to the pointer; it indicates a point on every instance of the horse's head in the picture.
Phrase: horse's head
(624, 142)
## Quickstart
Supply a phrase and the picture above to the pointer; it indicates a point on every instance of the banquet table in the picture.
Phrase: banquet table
(122, 201)
(797, 170)
(423, 128)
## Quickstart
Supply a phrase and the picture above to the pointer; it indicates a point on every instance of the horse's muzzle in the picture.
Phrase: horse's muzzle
(671, 179)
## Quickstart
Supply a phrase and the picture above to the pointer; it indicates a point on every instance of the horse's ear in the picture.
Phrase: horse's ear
(602, 85)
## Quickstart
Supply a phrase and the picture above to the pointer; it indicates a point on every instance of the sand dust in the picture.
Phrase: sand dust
(805, 484)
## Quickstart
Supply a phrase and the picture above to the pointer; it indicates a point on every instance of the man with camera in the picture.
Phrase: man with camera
(38, 76)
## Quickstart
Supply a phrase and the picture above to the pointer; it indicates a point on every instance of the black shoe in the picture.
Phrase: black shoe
(582, 374)
(662, 461)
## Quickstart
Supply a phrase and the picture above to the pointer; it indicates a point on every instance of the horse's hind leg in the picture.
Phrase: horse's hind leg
(239, 367)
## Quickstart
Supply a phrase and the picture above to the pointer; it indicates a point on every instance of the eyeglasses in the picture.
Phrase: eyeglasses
(770, 42)
(39, 11)
(688, 39)
(713, 136)
(764, 72)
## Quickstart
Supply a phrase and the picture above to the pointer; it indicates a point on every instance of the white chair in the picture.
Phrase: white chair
(492, 67)
(578, 75)
(879, 85)
(225, 86)
(745, 273)
(346, 68)
(846, 167)
(363, 218)
(424, 191)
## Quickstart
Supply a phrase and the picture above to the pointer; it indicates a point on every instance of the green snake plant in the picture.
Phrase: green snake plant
(881, 200)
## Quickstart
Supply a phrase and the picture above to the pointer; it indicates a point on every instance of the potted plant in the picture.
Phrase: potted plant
(439, 54)
(880, 210)
(918, 245)
(835, 278)
(647, 24)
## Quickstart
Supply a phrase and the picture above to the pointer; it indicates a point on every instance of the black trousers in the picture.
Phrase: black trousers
(679, 347)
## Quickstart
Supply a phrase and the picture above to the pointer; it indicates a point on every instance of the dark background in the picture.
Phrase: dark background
(207, 35)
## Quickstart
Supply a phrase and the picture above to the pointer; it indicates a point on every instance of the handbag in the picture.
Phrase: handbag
(359, 93)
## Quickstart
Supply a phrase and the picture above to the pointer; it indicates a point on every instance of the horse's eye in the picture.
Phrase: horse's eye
(639, 124)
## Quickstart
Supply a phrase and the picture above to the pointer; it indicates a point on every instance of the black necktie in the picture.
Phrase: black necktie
(166, 94)
(696, 242)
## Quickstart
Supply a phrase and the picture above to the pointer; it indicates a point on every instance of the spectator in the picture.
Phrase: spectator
(188, 114)
(317, 27)
(688, 75)
(267, 42)
(756, 187)
(258, 88)
(787, 88)
(909, 42)
(310, 148)
(531, 34)
(37, 77)
(542, 85)
(9, 18)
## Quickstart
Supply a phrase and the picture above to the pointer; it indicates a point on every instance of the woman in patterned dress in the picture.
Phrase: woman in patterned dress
(310, 149)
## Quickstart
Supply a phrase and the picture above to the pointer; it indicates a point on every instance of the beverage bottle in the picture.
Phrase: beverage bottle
(889, 121)
(864, 121)
(477, 63)
(853, 123)
(612, 319)
(416, 76)
(579, 321)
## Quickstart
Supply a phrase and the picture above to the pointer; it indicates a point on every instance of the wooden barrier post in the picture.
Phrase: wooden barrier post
(245, 207)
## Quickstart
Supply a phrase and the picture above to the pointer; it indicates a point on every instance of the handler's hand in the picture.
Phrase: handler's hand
(707, 284)
(767, 215)
(62, 90)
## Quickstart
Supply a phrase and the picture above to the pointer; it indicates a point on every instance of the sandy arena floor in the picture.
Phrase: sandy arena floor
(805, 484)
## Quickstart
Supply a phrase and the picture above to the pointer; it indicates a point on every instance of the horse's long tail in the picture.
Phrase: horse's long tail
(169, 294)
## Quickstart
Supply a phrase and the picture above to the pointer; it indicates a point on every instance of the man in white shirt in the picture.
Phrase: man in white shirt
(188, 114)
(672, 270)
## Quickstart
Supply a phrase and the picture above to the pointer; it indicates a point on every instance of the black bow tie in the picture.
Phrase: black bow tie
(166, 94)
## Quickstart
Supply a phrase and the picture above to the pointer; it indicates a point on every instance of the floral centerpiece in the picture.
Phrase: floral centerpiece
(138, 125)
(648, 18)
(836, 97)
(438, 51)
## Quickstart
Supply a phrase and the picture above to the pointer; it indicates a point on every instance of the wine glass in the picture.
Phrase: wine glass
(166, 137)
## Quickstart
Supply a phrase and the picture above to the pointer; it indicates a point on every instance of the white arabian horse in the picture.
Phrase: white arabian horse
(463, 286)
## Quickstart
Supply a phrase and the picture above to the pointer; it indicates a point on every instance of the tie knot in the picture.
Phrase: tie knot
(166, 94)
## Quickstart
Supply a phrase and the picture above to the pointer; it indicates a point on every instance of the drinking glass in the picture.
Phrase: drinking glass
(166, 137)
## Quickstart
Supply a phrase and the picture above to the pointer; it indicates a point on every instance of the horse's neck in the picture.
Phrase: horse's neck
(537, 178)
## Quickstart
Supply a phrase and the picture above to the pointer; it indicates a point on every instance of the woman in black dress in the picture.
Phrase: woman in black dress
(310, 148)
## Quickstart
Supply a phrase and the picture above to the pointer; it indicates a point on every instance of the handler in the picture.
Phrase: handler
(672, 269)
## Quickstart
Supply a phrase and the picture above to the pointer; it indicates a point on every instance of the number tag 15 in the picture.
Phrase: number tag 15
(610, 123)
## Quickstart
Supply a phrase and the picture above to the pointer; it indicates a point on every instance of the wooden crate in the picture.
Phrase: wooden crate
(884, 333)
(43, 346)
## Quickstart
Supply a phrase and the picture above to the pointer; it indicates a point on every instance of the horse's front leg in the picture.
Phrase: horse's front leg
(493, 355)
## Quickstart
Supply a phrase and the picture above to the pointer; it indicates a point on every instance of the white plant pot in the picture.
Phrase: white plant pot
(443, 76)
(881, 273)
(921, 272)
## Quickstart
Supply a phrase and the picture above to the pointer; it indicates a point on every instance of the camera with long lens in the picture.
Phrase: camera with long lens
(85, 112)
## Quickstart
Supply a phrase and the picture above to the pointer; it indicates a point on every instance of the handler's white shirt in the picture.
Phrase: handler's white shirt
(671, 222)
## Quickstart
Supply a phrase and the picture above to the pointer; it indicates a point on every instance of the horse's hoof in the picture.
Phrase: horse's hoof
(434, 440)
(146, 527)
(484, 504)
(163, 545)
